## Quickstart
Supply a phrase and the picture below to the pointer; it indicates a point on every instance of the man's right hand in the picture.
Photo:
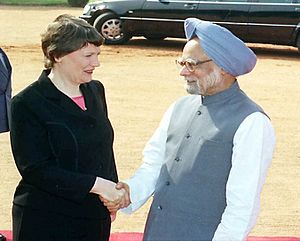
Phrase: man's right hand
(107, 190)
(126, 199)
(114, 206)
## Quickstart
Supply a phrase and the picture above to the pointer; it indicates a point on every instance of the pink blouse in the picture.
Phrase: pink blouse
(79, 100)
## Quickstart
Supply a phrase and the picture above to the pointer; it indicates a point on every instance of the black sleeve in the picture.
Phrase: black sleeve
(35, 161)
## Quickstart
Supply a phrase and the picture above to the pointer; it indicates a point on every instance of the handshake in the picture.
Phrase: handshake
(114, 196)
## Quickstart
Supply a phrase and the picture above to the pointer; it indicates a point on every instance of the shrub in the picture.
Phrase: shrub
(78, 3)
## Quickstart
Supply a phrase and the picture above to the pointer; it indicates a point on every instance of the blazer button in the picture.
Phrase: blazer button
(177, 159)
(188, 136)
(199, 112)
(159, 207)
(167, 183)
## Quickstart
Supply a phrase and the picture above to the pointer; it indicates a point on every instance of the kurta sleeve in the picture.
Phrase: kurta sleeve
(142, 183)
(253, 147)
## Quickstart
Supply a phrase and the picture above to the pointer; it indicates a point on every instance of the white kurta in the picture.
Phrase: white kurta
(253, 147)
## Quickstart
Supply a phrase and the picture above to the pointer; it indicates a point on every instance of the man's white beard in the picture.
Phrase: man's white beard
(192, 88)
(211, 80)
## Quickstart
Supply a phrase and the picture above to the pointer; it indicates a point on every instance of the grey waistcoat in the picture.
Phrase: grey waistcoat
(190, 195)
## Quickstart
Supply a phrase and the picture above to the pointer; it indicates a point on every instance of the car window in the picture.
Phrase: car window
(226, 0)
(273, 1)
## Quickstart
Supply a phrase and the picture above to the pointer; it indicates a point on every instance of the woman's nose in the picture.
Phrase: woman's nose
(96, 62)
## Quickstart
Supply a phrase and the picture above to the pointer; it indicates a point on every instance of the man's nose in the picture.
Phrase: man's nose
(184, 71)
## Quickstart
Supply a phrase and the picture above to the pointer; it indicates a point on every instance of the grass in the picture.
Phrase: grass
(34, 2)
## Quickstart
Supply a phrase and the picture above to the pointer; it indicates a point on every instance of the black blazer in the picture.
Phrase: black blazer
(59, 149)
(5, 92)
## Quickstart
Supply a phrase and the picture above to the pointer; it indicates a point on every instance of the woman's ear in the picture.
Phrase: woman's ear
(57, 59)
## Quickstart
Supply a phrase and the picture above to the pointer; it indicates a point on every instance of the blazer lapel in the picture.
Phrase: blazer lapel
(49, 91)
(3, 68)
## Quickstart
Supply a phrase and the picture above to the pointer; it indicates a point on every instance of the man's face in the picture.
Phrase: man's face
(203, 78)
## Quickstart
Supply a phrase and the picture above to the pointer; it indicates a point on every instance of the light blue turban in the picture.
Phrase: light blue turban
(224, 48)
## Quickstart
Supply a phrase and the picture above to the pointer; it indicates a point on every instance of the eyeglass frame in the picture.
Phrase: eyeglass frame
(193, 64)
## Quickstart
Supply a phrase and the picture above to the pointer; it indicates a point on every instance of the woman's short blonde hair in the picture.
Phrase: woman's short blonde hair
(65, 35)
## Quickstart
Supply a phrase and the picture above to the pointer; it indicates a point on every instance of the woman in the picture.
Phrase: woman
(62, 142)
(5, 91)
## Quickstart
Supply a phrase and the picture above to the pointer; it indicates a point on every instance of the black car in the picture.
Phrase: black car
(258, 21)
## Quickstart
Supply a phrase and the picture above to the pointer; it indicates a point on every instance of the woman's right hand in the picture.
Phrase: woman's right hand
(107, 190)
(114, 206)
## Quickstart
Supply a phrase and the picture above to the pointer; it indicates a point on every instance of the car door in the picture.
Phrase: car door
(166, 17)
(231, 14)
(274, 21)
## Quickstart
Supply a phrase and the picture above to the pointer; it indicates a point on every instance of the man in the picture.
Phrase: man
(207, 161)
(5, 96)
(5, 91)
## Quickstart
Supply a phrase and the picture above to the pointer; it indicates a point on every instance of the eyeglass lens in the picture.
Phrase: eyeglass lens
(190, 66)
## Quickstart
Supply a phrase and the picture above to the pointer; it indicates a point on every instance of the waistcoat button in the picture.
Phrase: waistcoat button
(177, 159)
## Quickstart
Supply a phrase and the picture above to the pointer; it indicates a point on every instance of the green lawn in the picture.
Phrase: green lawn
(36, 2)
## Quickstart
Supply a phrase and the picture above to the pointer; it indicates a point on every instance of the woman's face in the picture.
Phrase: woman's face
(78, 66)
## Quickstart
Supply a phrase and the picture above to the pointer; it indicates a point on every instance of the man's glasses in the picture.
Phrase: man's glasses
(190, 64)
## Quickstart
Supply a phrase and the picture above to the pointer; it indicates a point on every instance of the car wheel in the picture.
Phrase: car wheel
(155, 37)
(110, 27)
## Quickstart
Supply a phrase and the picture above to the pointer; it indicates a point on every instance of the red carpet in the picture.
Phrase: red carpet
(138, 237)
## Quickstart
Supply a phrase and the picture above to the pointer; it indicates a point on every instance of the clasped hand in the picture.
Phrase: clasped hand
(114, 196)
(118, 197)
